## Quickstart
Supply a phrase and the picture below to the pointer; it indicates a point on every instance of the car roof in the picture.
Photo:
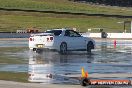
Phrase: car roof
(60, 29)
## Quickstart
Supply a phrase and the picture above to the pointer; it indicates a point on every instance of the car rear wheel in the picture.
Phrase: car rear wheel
(63, 48)
(90, 46)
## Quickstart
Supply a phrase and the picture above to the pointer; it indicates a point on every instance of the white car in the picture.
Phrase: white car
(62, 40)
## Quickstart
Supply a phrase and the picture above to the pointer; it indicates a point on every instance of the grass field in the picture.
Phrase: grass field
(11, 21)
(63, 6)
(12, 76)
(14, 20)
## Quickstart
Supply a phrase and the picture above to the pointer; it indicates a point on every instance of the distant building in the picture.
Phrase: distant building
(28, 30)
(21, 31)
(32, 30)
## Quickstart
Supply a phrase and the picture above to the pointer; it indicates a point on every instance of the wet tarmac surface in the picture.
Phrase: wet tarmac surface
(13, 43)
(104, 59)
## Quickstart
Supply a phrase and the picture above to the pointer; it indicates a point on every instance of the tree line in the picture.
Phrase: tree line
(122, 3)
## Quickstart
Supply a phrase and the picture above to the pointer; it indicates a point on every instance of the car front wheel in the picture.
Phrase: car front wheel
(63, 48)
(90, 46)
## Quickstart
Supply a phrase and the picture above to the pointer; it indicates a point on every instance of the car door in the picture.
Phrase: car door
(75, 40)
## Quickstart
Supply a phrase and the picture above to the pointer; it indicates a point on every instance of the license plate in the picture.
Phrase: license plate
(40, 45)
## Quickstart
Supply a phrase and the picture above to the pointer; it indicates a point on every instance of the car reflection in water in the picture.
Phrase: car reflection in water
(51, 67)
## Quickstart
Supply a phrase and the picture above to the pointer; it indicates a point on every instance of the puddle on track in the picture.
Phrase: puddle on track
(13, 43)
(98, 62)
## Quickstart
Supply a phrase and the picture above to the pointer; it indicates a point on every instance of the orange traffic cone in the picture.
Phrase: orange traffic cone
(84, 74)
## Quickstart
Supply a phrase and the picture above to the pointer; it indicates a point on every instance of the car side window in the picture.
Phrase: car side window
(67, 33)
(72, 33)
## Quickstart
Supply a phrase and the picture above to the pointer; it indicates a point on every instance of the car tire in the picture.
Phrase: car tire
(63, 48)
(90, 46)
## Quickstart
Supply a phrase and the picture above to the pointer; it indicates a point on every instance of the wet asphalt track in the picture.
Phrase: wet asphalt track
(104, 59)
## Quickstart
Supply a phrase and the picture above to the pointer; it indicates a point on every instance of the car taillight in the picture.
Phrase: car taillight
(31, 39)
(51, 38)
(47, 39)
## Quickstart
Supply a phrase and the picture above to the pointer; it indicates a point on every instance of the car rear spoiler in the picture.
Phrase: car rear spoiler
(42, 34)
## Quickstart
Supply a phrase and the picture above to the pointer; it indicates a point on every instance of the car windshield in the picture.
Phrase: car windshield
(55, 32)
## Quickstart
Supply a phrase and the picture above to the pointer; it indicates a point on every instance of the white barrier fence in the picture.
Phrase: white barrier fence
(14, 35)
(109, 35)
(94, 35)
